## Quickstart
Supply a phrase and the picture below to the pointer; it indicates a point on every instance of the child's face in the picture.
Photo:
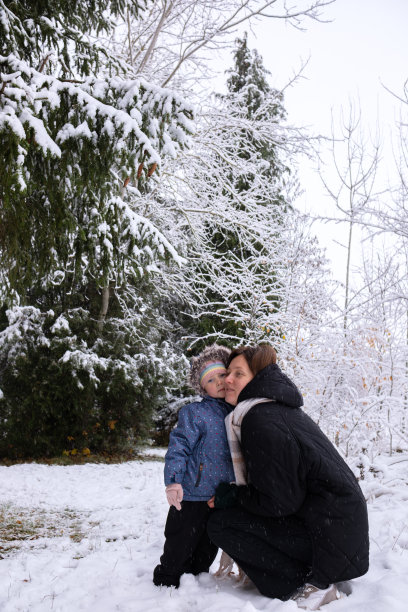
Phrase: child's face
(215, 385)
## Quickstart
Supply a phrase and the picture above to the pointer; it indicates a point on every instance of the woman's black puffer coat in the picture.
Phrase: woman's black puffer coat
(293, 469)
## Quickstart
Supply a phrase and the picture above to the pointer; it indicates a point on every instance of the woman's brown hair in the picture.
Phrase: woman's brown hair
(257, 357)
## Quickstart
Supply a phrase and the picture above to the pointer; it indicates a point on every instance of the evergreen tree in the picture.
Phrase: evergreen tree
(251, 97)
(81, 139)
(255, 185)
(77, 145)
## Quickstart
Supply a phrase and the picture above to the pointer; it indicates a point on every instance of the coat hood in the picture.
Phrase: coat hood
(211, 353)
(272, 383)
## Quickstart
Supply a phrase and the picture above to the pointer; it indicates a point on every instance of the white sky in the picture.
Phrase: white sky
(364, 44)
(363, 47)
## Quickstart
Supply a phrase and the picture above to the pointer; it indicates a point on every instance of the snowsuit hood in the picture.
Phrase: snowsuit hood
(211, 353)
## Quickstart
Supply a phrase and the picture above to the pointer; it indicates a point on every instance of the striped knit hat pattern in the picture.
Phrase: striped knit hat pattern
(212, 353)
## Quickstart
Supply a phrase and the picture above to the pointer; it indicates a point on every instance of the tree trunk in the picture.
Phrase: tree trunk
(104, 308)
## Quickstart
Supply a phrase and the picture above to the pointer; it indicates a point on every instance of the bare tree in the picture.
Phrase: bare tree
(350, 182)
(174, 40)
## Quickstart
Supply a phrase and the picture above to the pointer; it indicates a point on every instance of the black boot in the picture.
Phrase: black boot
(160, 578)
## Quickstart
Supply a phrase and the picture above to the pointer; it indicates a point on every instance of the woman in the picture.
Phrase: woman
(296, 519)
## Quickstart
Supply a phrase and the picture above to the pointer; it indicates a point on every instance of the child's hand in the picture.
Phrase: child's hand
(210, 502)
(174, 494)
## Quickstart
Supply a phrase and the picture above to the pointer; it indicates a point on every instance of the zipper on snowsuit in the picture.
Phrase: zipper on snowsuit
(199, 475)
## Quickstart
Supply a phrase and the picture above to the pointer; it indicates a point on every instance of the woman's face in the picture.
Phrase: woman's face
(238, 376)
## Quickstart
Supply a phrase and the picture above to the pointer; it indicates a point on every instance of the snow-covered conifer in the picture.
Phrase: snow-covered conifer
(246, 184)
(79, 143)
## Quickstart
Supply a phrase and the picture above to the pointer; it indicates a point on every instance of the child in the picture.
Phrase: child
(197, 460)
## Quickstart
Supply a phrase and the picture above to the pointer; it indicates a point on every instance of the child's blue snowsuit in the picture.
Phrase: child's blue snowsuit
(199, 459)
(198, 456)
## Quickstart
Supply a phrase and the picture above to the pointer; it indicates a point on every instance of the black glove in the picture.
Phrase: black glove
(226, 495)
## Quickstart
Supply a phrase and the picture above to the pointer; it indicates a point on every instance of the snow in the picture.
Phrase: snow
(41, 136)
(154, 452)
(8, 118)
(140, 226)
(138, 100)
(61, 324)
(99, 535)
(69, 131)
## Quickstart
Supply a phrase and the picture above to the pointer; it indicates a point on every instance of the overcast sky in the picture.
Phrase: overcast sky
(363, 48)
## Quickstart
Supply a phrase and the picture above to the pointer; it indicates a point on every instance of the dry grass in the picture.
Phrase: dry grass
(131, 455)
(21, 526)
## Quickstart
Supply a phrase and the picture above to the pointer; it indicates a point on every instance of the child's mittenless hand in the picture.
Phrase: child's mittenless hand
(174, 494)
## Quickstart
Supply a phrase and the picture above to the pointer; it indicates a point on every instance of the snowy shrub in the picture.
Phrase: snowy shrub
(166, 416)
(66, 390)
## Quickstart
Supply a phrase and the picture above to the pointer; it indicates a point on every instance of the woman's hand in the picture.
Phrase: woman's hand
(226, 495)
(210, 502)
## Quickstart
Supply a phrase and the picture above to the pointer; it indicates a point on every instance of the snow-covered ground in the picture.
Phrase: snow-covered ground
(88, 537)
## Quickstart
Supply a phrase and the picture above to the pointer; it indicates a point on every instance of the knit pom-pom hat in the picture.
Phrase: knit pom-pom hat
(215, 352)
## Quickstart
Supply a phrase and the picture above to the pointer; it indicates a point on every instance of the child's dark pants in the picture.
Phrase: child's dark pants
(187, 549)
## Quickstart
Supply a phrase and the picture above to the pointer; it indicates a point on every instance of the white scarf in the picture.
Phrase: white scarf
(233, 426)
